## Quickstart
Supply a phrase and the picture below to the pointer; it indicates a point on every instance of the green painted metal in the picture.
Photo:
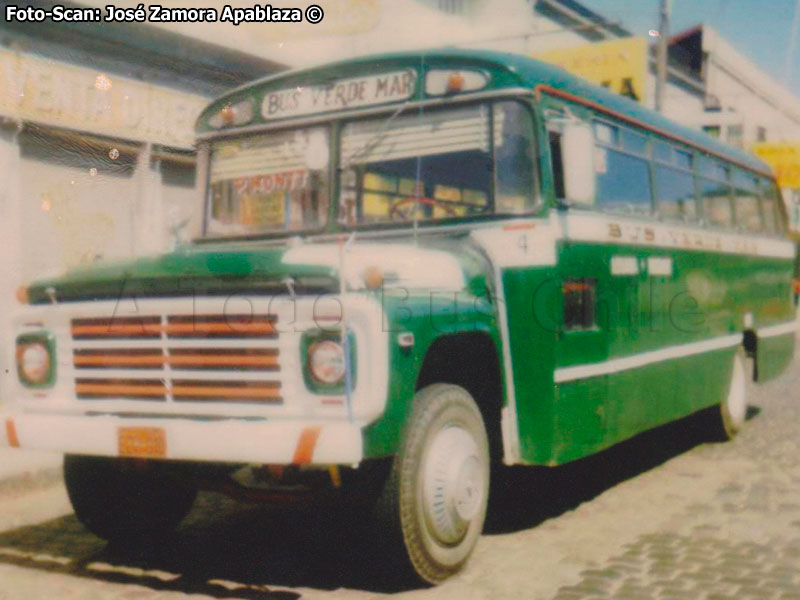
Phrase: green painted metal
(773, 356)
(208, 269)
(429, 317)
(635, 314)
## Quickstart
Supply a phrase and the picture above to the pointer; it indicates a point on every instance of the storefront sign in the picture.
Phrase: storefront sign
(784, 158)
(356, 92)
(53, 93)
(619, 65)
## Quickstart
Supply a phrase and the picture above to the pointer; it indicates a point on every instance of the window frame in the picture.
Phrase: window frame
(780, 216)
(536, 198)
(701, 177)
(620, 148)
(673, 164)
(740, 227)
(590, 113)
(330, 128)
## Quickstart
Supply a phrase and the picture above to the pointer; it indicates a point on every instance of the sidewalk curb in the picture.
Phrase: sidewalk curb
(32, 480)
(32, 477)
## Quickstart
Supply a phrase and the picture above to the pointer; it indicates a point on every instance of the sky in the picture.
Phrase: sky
(758, 29)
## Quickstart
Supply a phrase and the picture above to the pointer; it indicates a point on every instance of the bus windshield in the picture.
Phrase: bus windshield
(437, 165)
(421, 166)
(271, 183)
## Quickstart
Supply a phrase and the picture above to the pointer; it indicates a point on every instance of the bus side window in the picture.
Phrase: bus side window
(770, 202)
(715, 189)
(554, 138)
(674, 183)
(746, 202)
(622, 171)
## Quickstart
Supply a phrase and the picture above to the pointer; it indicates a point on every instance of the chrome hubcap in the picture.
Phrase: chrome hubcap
(452, 490)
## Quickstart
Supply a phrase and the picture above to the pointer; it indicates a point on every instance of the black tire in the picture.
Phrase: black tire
(125, 500)
(433, 504)
(730, 418)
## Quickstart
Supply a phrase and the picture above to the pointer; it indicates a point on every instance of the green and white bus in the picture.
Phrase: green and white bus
(408, 269)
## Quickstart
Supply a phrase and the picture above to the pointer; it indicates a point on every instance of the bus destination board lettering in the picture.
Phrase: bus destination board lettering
(356, 92)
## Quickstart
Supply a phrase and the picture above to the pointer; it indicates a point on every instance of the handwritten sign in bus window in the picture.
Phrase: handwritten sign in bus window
(295, 179)
(259, 210)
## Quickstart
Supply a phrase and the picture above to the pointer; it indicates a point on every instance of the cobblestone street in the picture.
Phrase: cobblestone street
(666, 515)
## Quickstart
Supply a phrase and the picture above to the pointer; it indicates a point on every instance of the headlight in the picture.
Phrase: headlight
(34, 362)
(326, 361)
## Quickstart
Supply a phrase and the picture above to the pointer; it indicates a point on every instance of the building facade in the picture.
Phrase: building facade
(742, 104)
(96, 140)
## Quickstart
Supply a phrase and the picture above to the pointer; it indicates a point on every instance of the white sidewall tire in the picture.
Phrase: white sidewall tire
(445, 434)
(733, 409)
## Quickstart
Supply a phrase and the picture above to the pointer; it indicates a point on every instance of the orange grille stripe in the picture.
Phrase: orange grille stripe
(118, 389)
(181, 360)
(11, 434)
(305, 445)
(174, 328)
(224, 391)
(225, 360)
(141, 329)
(264, 328)
(117, 360)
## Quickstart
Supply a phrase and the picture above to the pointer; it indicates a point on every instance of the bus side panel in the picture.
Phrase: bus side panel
(624, 404)
(773, 356)
(666, 391)
(580, 419)
(532, 332)
(771, 285)
(695, 296)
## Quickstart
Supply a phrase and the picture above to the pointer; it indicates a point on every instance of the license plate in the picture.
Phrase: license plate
(142, 442)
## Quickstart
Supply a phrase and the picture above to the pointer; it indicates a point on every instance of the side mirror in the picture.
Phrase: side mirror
(577, 158)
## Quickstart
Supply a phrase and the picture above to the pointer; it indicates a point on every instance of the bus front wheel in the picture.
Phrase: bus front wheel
(433, 504)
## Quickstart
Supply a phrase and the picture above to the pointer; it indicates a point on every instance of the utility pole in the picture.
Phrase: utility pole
(787, 72)
(661, 55)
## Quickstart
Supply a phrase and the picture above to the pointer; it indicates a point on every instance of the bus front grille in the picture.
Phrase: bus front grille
(177, 358)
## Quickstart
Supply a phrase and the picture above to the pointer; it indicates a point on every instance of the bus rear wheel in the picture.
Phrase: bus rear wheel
(733, 409)
(126, 500)
(433, 504)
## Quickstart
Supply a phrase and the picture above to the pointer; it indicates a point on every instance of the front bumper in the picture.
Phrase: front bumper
(258, 441)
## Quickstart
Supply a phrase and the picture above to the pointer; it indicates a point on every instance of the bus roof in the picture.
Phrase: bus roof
(507, 71)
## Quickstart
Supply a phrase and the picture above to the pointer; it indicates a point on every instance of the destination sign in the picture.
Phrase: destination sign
(356, 92)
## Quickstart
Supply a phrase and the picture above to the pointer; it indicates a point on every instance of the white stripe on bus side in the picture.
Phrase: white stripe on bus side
(529, 243)
(532, 243)
(625, 363)
(603, 228)
(775, 330)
